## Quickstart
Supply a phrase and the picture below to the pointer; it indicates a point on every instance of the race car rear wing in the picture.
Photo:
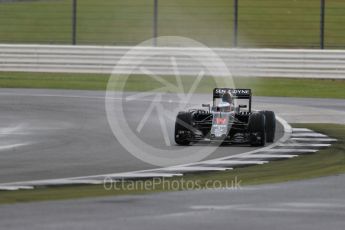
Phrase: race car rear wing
(236, 93)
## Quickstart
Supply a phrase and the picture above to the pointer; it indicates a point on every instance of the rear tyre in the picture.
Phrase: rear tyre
(257, 129)
(270, 125)
(182, 128)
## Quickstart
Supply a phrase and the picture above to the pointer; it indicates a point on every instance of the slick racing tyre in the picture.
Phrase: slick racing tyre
(257, 129)
(270, 125)
(183, 128)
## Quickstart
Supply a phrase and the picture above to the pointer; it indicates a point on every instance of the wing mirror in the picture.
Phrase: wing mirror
(207, 106)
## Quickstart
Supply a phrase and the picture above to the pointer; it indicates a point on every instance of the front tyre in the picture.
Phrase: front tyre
(270, 125)
(257, 129)
(183, 127)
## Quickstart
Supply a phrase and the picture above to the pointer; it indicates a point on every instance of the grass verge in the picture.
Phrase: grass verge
(282, 87)
(261, 23)
(330, 161)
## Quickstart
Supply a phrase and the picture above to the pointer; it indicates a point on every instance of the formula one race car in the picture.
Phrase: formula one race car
(229, 120)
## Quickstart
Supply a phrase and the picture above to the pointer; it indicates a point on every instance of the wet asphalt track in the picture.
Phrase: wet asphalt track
(48, 134)
(317, 204)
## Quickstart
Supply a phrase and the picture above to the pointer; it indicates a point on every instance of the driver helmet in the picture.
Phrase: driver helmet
(227, 97)
(226, 103)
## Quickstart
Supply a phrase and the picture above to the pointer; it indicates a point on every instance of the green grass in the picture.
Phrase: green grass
(261, 86)
(269, 23)
(329, 161)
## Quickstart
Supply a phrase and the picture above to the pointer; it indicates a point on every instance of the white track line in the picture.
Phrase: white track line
(14, 188)
(194, 169)
(234, 162)
(313, 139)
(292, 150)
(303, 145)
(301, 130)
(142, 175)
(258, 156)
(67, 182)
(308, 135)
(6, 147)
(79, 97)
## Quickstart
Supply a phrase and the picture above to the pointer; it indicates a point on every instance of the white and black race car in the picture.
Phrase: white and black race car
(229, 120)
